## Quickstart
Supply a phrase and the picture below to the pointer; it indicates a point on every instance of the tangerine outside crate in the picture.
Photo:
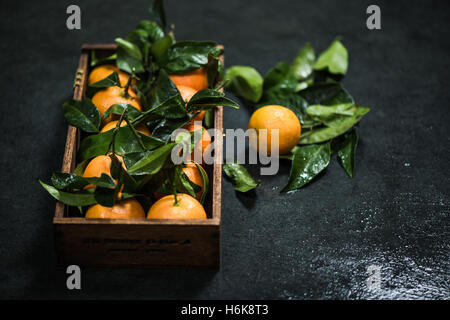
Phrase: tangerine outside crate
(136, 242)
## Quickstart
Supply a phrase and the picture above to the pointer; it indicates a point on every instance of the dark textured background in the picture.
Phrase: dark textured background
(315, 243)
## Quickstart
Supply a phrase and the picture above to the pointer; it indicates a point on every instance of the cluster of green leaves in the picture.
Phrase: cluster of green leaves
(311, 87)
(149, 54)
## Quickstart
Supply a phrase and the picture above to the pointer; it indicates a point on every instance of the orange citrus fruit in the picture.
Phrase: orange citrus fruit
(186, 208)
(276, 117)
(125, 209)
(197, 79)
(114, 95)
(103, 71)
(111, 125)
(186, 94)
(203, 144)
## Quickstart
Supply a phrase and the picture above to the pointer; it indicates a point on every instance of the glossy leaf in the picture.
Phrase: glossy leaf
(162, 127)
(326, 94)
(214, 70)
(118, 109)
(79, 199)
(240, 178)
(157, 12)
(71, 182)
(183, 184)
(245, 81)
(335, 128)
(125, 142)
(279, 81)
(334, 59)
(303, 64)
(205, 179)
(160, 46)
(307, 162)
(208, 120)
(82, 114)
(210, 98)
(109, 81)
(79, 169)
(326, 114)
(185, 56)
(346, 151)
(129, 57)
(140, 38)
(163, 89)
(95, 61)
(153, 30)
(152, 161)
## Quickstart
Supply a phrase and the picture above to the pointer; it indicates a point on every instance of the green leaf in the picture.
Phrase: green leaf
(118, 109)
(82, 114)
(79, 199)
(105, 196)
(153, 30)
(129, 57)
(110, 81)
(346, 151)
(71, 182)
(162, 90)
(303, 64)
(214, 69)
(152, 161)
(242, 180)
(185, 56)
(308, 162)
(157, 12)
(183, 184)
(205, 182)
(210, 98)
(160, 46)
(279, 81)
(162, 128)
(326, 114)
(208, 120)
(95, 61)
(79, 169)
(125, 142)
(245, 82)
(140, 38)
(334, 59)
(326, 94)
(334, 128)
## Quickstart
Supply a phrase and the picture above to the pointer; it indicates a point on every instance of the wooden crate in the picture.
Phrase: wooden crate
(136, 242)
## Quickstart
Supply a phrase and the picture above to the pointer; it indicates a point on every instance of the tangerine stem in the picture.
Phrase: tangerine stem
(136, 135)
(116, 129)
(127, 86)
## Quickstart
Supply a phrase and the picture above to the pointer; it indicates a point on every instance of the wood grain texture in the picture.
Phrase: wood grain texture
(139, 242)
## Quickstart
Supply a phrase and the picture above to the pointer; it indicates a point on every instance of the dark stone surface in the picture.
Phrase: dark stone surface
(315, 243)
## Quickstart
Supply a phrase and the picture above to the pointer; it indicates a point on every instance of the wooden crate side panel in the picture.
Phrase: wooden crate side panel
(143, 245)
